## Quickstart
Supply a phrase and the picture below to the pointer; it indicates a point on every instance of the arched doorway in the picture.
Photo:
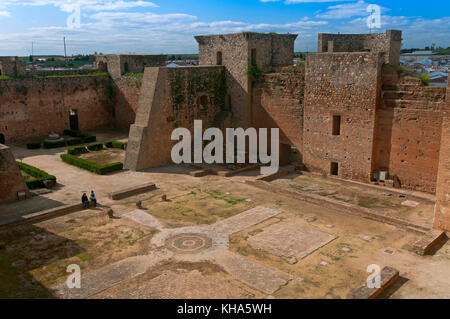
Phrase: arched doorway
(2, 139)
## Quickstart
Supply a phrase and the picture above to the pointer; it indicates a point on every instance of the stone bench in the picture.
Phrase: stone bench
(128, 192)
(42, 215)
(272, 177)
(388, 277)
(429, 241)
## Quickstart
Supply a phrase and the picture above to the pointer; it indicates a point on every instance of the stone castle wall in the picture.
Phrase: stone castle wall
(126, 92)
(11, 180)
(408, 134)
(442, 210)
(278, 103)
(345, 85)
(120, 64)
(172, 98)
(236, 53)
(388, 43)
(32, 107)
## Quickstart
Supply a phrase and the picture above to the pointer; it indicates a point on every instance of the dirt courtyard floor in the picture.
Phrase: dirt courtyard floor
(214, 237)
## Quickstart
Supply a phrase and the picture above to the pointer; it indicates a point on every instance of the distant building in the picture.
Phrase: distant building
(438, 78)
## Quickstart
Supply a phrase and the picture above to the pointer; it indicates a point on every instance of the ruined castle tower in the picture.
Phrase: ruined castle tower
(175, 97)
(343, 90)
(237, 52)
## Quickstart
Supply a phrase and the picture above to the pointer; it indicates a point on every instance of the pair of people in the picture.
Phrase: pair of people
(92, 198)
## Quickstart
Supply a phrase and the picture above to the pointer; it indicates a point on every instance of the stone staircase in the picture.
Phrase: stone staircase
(410, 93)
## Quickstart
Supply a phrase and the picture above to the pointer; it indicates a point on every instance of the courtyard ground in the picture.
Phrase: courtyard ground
(215, 237)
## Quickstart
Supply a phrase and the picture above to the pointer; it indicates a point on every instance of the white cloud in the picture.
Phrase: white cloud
(85, 5)
(347, 10)
(5, 14)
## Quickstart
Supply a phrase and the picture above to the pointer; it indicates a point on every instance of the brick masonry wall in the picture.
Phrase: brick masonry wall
(346, 85)
(11, 180)
(278, 103)
(172, 98)
(271, 50)
(127, 90)
(388, 43)
(37, 107)
(409, 133)
(442, 210)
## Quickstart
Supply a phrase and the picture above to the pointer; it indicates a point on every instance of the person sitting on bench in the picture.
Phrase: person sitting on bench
(93, 199)
(85, 201)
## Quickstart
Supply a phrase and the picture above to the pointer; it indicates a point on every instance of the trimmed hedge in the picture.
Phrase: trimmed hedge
(74, 141)
(91, 166)
(72, 133)
(77, 150)
(86, 138)
(115, 144)
(95, 146)
(39, 176)
(54, 144)
(33, 146)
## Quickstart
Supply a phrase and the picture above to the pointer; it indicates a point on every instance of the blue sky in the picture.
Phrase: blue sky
(142, 26)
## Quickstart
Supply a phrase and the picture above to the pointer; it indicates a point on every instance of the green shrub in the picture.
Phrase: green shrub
(425, 78)
(54, 144)
(91, 166)
(33, 146)
(401, 70)
(115, 144)
(72, 133)
(74, 141)
(86, 138)
(95, 146)
(39, 176)
(253, 73)
(77, 150)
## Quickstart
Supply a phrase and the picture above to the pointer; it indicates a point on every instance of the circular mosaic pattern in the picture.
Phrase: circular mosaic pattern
(188, 243)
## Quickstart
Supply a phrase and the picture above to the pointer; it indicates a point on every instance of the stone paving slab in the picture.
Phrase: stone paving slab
(143, 218)
(244, 220)
(252, 273)
(290, 240)
(108, 276)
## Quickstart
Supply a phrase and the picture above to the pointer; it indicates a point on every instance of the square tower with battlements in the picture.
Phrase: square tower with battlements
(237, 52)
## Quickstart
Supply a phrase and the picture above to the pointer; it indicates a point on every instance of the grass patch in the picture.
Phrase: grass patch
(85, 256)
(230, 200)
(91, 166)
(135, 75)
(366, 201)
